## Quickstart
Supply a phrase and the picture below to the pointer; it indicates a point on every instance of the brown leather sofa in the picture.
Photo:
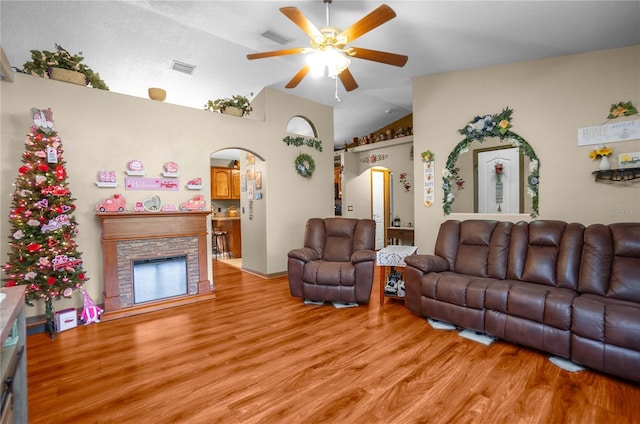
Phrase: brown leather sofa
(337, 261)
(554, 286)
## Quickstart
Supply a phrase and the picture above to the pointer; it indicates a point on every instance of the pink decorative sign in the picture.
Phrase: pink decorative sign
(167, 184)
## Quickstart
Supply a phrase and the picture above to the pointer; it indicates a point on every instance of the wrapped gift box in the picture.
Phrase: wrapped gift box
(66, 319)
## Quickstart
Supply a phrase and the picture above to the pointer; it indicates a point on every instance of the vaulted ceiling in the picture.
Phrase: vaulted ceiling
(132, 44)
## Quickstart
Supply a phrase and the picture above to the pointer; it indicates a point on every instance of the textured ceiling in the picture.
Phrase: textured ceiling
(133, 43)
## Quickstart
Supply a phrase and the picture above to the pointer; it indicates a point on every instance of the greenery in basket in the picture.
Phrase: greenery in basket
(42, 62)
(219, 105)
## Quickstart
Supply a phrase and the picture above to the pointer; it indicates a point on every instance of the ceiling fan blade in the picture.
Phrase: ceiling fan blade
(298, 77)
(347, 80)
(378, 56)
(276, 53)
(374, 19)
(299, 19)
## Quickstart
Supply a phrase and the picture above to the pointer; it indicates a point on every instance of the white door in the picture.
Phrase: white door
(499, 195)
(377, 205)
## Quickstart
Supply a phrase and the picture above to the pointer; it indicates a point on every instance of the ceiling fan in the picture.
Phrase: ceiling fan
(329, 45)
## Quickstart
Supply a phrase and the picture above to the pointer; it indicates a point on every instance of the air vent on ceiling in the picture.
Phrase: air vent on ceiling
(278, 38)
(185, 68)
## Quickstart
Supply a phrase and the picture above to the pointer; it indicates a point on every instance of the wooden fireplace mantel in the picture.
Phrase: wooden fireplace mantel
(117, 227)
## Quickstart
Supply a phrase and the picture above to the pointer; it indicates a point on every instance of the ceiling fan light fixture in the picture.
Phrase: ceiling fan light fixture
(330, 58)
(316, 63)
(329, 46)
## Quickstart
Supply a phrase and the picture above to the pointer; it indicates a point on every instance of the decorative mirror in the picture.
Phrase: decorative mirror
(485, 128)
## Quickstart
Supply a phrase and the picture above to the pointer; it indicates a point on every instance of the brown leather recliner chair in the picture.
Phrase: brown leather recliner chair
(337, 261)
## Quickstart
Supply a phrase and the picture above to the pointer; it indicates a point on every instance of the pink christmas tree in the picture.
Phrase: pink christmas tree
(43, 253)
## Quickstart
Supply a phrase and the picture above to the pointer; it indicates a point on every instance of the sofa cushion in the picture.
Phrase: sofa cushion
(611, 321)
(338, 243)
(625, 269)
(458, 289)
(330, 273)
(546, 252)
(475, 247)
(611, 261)
(535, 302)
(449, 297)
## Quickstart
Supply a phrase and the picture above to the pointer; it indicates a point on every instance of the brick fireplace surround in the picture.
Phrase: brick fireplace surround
(127, 237)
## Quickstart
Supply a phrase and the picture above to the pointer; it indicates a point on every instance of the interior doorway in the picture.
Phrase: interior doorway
(498, 180)
(381, 203)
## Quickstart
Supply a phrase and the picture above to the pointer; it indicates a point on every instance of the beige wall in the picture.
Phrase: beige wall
(356, 190)
(104, 130)
(551, 99)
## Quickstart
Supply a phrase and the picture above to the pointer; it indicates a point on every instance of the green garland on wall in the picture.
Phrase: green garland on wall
(482, 127)
(299, 141)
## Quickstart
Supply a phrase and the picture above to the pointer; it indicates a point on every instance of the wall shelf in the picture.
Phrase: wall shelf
(617, 175)
(380, 144)
(103, 184)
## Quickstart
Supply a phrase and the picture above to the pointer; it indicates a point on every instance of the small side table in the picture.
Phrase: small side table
(391, 256)
(395, 234)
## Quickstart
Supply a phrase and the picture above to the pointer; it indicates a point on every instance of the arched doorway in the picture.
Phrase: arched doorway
(238, 181)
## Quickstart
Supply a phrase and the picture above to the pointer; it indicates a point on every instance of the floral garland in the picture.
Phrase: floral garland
(478, 129)
(305, 165)
(299, 141)
(373, 158)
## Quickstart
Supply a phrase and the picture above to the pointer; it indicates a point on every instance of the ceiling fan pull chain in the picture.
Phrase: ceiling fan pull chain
(337, 98)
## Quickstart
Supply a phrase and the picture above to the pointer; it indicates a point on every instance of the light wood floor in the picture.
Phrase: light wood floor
(257, 355)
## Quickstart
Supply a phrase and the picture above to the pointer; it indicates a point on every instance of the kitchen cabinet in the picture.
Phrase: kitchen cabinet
(233, 227)
(235, 184)
(225, 183)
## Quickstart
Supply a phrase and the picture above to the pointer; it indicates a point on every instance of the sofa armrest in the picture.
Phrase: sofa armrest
(305, 254)
(427, 263)
(363, 256)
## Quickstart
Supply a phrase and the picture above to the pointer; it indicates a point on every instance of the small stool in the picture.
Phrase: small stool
(221, 243)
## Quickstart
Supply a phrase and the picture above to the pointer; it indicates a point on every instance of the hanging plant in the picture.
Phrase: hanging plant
(478, 129)
(305, 165)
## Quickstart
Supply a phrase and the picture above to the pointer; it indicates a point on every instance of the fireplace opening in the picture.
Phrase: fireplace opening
(159, 278)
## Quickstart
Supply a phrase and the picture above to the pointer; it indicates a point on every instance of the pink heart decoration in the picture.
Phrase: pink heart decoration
(66, 208)
(42, 203)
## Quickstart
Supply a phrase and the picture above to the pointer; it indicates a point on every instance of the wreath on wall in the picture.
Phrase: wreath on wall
(305, 165)
(478, 129)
